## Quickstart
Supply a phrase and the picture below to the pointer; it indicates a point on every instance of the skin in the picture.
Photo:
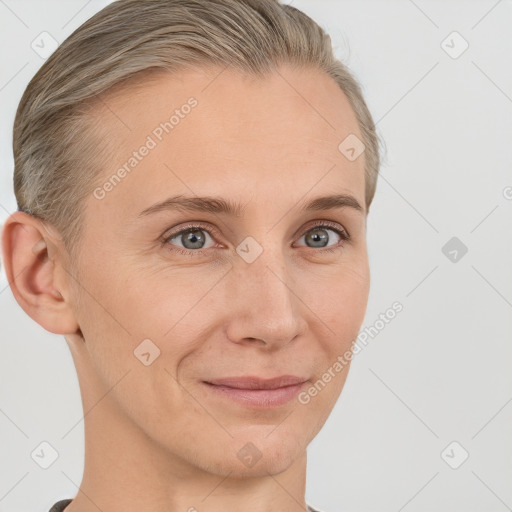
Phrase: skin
(155, 437)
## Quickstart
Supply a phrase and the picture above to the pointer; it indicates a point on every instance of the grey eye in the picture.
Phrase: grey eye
(318, 237)
(191, 238)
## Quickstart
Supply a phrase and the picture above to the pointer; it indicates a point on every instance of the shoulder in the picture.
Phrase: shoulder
(60, 505)
(311, 509)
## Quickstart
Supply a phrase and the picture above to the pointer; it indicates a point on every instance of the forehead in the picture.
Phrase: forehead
(219, 131)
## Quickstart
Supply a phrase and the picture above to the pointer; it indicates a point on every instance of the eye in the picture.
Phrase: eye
(318, 236)
(193, 240)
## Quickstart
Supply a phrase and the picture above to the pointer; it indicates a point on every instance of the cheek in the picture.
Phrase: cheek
(340, 300)
(119, 310)
(128, 352)
(142, 303)
(340, 306)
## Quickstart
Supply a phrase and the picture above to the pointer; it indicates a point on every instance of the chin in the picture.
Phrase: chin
(259, 456)
(270, 464)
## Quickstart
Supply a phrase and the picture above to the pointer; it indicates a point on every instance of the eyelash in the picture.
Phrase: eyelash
(343, 234)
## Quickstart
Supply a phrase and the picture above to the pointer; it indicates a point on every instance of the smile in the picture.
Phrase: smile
(256, 392)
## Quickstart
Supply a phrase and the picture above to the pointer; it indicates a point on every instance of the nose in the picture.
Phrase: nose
(266, 310)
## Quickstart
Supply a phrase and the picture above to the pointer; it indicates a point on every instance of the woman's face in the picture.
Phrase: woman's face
(266, 290)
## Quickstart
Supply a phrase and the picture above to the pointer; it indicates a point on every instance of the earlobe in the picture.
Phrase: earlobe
(37, 282)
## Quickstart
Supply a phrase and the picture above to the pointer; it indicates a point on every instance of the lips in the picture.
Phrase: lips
(255, 392)
(251, 382)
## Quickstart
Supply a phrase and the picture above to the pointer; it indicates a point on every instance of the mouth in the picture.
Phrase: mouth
(256, 392)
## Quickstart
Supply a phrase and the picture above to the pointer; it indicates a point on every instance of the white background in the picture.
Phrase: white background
(440, 371)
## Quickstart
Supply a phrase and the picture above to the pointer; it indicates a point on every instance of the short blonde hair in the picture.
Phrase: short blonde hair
(54, 137)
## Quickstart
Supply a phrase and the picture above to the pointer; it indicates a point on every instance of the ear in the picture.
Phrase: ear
(33, 261)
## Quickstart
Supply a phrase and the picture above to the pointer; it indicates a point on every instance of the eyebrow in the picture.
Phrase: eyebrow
(218, 205)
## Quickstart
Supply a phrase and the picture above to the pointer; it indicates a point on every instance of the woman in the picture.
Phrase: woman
(193, 179)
